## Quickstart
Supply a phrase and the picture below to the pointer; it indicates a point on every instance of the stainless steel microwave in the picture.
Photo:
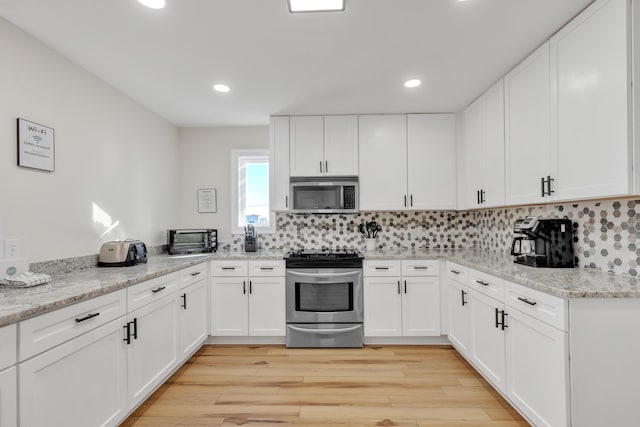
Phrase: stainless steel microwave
(326, 195)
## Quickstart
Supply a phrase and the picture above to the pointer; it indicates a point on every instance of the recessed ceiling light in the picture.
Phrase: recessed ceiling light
(221, 88)
(315, 5)
(153, 4)
(412, 83)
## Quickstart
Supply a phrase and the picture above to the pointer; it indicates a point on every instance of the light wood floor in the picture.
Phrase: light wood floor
(374, 386)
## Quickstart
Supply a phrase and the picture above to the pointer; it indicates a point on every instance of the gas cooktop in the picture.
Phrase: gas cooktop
(330, 258)
(323, 254)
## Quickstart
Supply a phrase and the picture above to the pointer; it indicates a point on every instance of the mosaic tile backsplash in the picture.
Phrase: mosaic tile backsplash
(605, 232)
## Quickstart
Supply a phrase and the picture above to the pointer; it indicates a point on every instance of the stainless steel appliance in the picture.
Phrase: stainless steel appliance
(250, 239)
(192, 241)
(324, 299)
(122, 253)
(543, 242)
(324, 195)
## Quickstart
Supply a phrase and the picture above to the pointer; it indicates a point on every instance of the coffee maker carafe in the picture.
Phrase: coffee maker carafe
(543, 242)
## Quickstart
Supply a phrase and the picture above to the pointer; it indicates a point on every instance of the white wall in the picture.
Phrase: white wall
(111, 155)
(205, 162)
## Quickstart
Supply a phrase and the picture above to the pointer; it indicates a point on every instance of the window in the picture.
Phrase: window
(250, 191)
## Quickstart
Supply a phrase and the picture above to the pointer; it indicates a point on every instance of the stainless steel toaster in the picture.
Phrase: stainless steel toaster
(122, 253)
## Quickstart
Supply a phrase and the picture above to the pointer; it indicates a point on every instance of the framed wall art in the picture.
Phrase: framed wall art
(36, 146)
(207, 200)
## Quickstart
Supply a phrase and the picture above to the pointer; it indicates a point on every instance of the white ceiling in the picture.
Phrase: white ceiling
(280, 63)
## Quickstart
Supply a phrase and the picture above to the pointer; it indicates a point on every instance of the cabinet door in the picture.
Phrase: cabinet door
(590, 88)
(341, 145)
(382, 307)
(421, 306)
(458, 302)
(383, 162)
(152, 352)
(8, 398)
(527, 128)
(192, 317)
(229, 306)
(80, 383)
(431, 154)
(537, 361)
(474, 152)
(306, 146)
(267, 306)
(494, 146)
(487, 338)
(279, 164)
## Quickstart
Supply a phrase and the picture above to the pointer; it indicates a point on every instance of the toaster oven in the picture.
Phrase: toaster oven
(192, 241)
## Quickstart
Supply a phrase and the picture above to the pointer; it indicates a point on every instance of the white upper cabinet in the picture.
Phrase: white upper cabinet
(482, 149)
(383, 162)
(279, 163)
(431, 160)
(341, 145)
(527, 116)
(590, 86)
(306, 146)
(323, 146)
(493, 190)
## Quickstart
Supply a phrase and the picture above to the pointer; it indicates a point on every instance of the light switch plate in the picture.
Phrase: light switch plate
(12, 248)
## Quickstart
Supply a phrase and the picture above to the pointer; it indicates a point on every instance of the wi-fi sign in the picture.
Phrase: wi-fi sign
(37, 138)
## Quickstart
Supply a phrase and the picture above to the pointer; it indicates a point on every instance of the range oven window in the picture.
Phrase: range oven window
(324, 297)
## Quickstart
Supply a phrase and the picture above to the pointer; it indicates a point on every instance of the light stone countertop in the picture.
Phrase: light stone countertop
(70, 288)
(561, 282)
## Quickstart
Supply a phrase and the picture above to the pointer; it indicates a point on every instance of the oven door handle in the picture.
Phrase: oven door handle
(325, 331)
(345, 274)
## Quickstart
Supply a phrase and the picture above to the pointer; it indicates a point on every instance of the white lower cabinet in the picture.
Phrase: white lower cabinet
(192, 318)
(517, 339)
(459, 311)
(8, 398)
(382, 307)
(244, 305)
(82, 382)
(152, 348)
(537, 367)
(487, 335)
(401, 305)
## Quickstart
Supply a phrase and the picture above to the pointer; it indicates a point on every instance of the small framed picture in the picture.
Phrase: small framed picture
(207, 200)
(36, 146)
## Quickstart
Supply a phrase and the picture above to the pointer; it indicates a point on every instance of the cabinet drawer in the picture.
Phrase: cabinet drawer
(192, 274)
(487, 284)
(420, 267)
(8, 343)
(266, 268)
(544, 307)
(381, 268)
(48, 330)
(151, 290)
(457, 272)
(229, 268)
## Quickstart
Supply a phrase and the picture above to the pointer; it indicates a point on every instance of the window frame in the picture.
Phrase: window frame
(236, 156)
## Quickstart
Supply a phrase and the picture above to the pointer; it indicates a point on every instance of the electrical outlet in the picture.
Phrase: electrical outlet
(12, 248)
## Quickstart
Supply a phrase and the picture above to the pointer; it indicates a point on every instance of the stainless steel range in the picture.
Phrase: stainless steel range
(324, 299)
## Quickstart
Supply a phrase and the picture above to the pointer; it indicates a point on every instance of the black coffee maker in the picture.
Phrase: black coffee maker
(543, 242)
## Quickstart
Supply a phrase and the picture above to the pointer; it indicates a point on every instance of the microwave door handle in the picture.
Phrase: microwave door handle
(325, 331)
